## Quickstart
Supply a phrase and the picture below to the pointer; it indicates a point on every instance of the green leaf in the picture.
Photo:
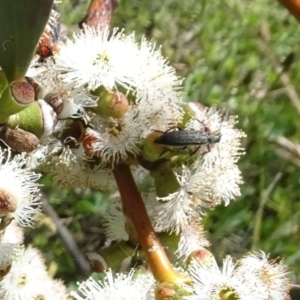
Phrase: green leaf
(3, 82)
(22, 22)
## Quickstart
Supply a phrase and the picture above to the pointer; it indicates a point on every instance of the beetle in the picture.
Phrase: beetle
(186, 138)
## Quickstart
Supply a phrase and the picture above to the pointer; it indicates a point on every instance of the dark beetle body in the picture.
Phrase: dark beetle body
(187, 137)
(184, 138)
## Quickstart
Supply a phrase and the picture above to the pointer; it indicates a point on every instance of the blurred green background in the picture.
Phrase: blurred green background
(232, 54)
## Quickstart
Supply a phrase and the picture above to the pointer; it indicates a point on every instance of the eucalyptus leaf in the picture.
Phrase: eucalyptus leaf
(22, 22)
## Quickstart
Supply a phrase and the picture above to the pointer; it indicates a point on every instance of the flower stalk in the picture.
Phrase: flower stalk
(134, 209)
(99, 13)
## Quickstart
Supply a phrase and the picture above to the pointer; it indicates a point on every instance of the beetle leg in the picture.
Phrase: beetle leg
(208, 149)
(181, 149)
(195, 150)
(177, 127)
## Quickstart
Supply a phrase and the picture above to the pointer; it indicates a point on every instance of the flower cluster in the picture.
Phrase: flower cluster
(252, 277)
(19, 191)
(107, 101)
(115, 100)
(121, 286)
(28, 279)
(20, 206)
(127, 96)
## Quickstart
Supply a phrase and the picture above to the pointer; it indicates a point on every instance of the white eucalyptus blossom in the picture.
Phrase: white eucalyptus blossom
(211, 121)
(12, 234)
(212, 179)
(114, 221)
(67, 102)
(70, 168)
(252, 277)
(26, 274)
(191, 238)
(49, 147)
(7, 253)
(97, 58)
(51, 289)
(271, 275)
(218, 184)
(215, 177)
(210, 282)
(29, 280)
(72, 172)
(19, 191)
(175, 212)
(115, 142)
(120, 286)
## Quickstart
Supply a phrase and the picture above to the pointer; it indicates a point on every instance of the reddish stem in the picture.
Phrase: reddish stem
(293, 6)
(99, 13)
(134, 209)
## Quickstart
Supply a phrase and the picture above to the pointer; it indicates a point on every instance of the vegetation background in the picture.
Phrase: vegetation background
(241, 56)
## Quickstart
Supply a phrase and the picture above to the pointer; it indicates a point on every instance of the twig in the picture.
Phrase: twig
(99, 13)
(142, 229)
(293, 7)
(79, 259)
(259, 214)
(284, 78)
(288, 150)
